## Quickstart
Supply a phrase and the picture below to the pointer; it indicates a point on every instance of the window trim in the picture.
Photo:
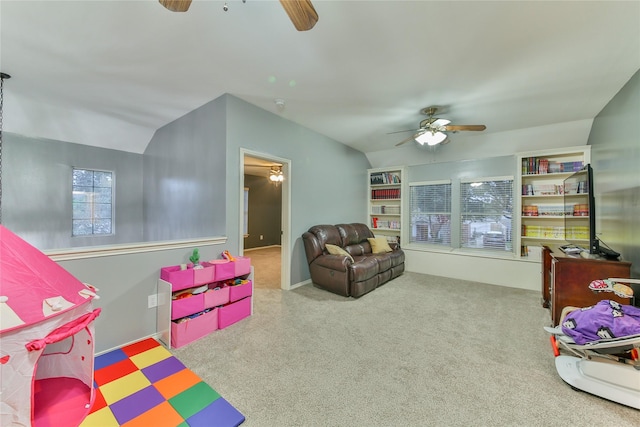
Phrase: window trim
(441, 246)
(483, 250)
(112, 203)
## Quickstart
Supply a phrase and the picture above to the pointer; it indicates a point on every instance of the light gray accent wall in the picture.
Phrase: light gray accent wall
(265, 212)
(36, 190)
(184, 176)
(615, 157)
(328, 179)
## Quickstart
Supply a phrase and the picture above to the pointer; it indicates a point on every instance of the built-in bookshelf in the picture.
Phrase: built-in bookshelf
(541, 203)
(385, 188)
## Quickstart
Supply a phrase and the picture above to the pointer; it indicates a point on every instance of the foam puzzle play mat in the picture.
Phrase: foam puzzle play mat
(142, 385)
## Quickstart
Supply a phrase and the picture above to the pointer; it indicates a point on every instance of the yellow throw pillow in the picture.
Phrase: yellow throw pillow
(379, 245)
(337, 250)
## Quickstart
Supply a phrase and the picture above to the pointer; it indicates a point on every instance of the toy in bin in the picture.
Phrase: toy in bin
(226, 255)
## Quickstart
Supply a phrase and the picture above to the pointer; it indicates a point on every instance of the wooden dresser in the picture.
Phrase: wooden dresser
(566, 278)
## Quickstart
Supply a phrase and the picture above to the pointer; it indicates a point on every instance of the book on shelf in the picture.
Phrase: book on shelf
(541, 166)
(385, 193)
(380, 178)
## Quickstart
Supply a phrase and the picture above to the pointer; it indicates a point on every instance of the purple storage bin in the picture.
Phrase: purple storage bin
(179, 279)
(186, 306)
(214, 298)
(240, 291)
(234, 312)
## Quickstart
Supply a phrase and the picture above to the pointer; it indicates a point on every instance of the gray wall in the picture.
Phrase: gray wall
(615, 156)
(36, 190)
(265, 212)
(185, 176)
(328, 179)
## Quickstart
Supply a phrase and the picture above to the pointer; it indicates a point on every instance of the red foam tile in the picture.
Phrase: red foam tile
(113, 372)
(98, 402)
(140, 346)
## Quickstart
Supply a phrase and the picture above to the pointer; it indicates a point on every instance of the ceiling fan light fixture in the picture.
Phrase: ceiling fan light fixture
(276, 176)
(430, 138)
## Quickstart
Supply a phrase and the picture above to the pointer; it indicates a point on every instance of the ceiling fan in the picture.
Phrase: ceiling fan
(432, 129)
(301, 12)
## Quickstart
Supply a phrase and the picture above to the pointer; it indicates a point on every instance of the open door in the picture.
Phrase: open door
(261, 165)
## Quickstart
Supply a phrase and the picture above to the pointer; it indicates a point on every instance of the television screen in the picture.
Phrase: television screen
(579, 210)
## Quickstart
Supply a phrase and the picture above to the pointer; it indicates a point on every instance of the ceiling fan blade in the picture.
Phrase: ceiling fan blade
(402, 131)
(301, 13)
(405, 141)
(176, 5)
(455, 128)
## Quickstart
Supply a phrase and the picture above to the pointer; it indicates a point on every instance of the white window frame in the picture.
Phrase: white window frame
(432, 234)
(92, 205)
(486, 236)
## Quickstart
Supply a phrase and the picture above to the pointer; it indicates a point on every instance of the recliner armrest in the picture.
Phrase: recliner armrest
(333, 262)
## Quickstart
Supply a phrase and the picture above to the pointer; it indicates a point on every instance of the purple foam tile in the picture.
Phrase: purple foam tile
(109, 359)
(162, 369)
(219, 413)
(136, 404)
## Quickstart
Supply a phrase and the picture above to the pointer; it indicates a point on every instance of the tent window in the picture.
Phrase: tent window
(92, 196)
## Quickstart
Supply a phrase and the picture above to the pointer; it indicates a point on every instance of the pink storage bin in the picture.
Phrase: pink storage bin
(224, 269)
(242, 266)
(186, 306)
(204, 275)
(180, 279)
(240, 291)
(192, 329)
(234, 312)
(214, 298)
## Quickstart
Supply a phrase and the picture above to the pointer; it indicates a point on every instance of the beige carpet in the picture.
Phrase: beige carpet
(266, 266)
(419, 351)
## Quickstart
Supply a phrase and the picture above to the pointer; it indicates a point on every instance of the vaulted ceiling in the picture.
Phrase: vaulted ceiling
(109, 73)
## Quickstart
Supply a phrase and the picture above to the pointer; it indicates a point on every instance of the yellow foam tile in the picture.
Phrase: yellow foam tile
(123, 387)
(100, 418)
(149, 357)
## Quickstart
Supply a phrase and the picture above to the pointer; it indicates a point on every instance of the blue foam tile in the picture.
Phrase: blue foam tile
(163, 369)
(109, 359)
(219, 413)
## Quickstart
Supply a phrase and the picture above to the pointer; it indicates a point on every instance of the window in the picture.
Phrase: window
(486, 207)
(430, 210)
(92, 202)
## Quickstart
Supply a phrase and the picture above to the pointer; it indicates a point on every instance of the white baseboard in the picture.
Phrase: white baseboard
(155, 336)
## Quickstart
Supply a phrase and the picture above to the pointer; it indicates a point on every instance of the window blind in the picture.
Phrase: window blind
(430, 210)
(486, 213)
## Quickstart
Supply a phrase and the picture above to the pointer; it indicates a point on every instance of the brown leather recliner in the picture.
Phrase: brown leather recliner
(340, 275)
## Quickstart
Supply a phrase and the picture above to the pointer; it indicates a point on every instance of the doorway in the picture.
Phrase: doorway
(265, 214)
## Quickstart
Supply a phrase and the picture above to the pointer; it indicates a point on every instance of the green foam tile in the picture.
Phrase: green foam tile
(193, 399)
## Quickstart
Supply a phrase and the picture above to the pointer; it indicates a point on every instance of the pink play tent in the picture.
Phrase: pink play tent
(46, 339)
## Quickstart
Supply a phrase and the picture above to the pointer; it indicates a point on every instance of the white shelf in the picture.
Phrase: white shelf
(390, 197)
(545, 182)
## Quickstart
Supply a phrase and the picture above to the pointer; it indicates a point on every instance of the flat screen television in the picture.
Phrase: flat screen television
(580, 211)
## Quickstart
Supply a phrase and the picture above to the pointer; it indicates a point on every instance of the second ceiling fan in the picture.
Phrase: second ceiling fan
(432, 130)
(301, 12)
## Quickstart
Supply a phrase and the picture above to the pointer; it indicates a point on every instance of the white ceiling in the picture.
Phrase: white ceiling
(109, 73)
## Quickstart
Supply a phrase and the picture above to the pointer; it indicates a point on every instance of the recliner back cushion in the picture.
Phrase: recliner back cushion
(326, 234)
(354, 238)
